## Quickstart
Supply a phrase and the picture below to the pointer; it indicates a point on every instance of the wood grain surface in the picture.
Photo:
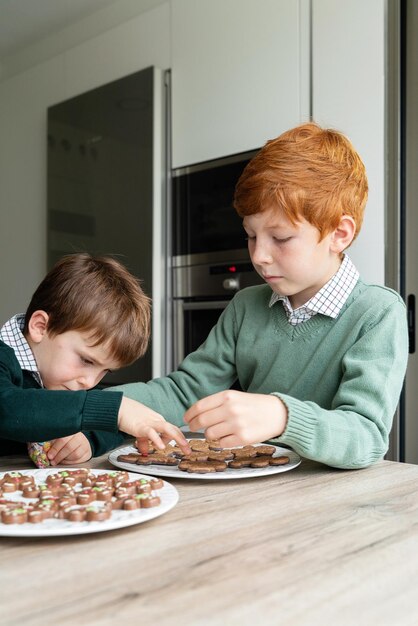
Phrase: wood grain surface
(311, 546)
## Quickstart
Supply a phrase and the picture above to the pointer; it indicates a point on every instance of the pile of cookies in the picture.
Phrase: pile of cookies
(207, 456)
(74, 495)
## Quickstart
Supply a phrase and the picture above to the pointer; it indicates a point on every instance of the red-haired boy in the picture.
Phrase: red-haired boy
(320, 354)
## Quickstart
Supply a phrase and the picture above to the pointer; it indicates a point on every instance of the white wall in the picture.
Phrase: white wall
(348, 51)
(141, 41)
(348, 93)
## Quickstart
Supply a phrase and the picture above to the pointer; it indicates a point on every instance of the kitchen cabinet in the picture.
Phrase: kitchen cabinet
(240, 74)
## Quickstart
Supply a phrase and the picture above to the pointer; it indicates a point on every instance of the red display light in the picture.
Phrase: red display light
(232, 269)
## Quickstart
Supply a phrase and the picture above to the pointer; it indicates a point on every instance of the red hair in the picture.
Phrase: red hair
(307, 172)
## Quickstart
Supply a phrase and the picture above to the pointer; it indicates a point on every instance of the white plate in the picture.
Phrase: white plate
(174, 472)
(55, 527)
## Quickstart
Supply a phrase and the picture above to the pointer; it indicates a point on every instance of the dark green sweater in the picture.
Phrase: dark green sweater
(30, 413)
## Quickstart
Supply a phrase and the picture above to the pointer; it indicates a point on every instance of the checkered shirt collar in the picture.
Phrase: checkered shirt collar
(12, 335)
(329, 300)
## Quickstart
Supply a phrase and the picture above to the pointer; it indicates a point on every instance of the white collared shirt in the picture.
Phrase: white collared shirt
(12, 335)
(329, 300)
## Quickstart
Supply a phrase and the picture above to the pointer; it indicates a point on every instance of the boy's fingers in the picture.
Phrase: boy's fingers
(175, 433)
(57, 445)
(142, 445)
(76, 456)
(202, 406)
(156, 439)
(65, 451)
(162, 435)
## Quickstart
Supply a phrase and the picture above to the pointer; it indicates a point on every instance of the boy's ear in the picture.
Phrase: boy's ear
(343, 235)
(38, 325)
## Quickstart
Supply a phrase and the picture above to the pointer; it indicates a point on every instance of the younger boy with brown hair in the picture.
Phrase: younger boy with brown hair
(88, 316)
(320, 354)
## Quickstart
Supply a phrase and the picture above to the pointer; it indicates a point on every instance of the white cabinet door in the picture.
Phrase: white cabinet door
(237, 71)
(348, 93)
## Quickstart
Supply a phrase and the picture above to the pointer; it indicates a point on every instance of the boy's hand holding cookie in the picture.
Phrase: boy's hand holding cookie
(237, 418)
(145, 424)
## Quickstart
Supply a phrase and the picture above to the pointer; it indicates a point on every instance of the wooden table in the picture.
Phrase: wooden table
(310, 546)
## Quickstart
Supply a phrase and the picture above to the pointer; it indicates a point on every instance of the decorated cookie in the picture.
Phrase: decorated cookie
(14, 515)
(75, 495)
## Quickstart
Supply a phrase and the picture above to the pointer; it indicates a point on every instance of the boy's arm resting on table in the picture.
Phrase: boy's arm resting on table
(354, 432)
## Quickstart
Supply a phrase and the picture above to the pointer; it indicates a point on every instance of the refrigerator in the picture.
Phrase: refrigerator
(106, 189)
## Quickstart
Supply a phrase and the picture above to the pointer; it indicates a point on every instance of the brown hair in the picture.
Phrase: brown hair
(307, 172)
(96, 294)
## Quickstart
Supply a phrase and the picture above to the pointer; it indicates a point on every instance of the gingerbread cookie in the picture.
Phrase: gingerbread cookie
(257, 461)
(156, 458)
(201, 467)
(265, 450)
(129, 458)
(244, 452)
(220, 455)
(249, 461)
(279, 460)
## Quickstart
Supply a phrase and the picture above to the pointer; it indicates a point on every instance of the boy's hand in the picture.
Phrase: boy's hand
(145, 424)
(73, 449)
(237, 418)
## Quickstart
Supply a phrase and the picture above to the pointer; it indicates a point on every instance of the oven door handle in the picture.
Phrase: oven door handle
(207, 304)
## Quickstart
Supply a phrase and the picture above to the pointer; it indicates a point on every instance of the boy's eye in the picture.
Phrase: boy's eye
(86, 361)
(281, 240)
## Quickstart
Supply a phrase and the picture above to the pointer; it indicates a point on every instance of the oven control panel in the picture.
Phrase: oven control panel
(213, 280)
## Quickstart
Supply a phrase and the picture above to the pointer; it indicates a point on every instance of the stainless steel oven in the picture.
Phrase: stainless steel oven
(203, 218)
(200, 293)
(210, 259)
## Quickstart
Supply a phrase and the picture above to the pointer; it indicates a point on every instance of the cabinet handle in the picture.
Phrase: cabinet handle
(411, 322)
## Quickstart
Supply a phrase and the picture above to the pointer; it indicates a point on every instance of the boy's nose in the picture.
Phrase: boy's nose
(261, 255)
(87, 382)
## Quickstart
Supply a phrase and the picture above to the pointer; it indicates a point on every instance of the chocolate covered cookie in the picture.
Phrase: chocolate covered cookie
(201, 467)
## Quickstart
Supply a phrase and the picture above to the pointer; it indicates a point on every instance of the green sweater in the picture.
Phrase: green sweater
(30, 413)
(339, 378)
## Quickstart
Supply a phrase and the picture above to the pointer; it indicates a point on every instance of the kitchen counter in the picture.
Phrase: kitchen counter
(310, 546)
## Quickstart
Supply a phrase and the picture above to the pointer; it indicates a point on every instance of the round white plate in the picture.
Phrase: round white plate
(174, 472)
(56, 527)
